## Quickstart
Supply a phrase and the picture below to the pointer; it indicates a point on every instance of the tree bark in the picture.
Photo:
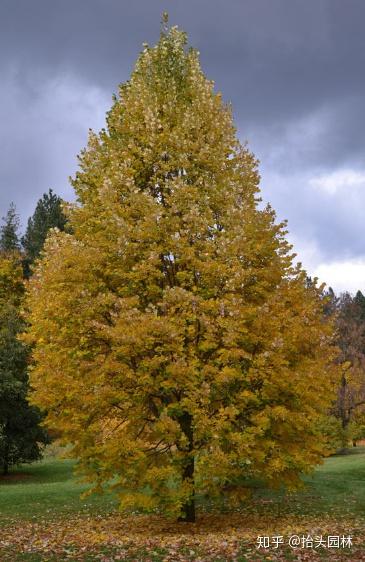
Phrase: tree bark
(188, 509)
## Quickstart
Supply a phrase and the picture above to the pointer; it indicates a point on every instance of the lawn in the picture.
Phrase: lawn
(48, 489)
(42, 517)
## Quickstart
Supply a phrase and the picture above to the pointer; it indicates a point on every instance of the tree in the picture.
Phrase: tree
(20, 434)
(21, 437)
(48, 214)
(350, 404)
(9, 240)
(175, 344)
(359, 301)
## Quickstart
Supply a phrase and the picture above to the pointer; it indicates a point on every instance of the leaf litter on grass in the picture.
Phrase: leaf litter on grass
(213, 538)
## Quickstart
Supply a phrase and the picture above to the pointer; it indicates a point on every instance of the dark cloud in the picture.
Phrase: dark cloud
(293, 71)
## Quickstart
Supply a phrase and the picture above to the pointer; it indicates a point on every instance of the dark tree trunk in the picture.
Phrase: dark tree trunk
(344, 420)
(6, 457)
(343, 414)
(354, 444)
(188, 509)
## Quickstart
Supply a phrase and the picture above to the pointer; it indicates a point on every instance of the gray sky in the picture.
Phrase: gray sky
(293, 70)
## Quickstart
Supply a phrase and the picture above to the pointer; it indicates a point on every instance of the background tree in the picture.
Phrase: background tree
(350, 403)
(359, 301)
(331, 303)
(48, 214)
(9, 240)
(175, 344)
(20, 434)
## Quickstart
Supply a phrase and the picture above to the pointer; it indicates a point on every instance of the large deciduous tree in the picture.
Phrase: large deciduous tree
(175, 344)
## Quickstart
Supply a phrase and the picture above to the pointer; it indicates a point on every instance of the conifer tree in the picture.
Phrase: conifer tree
(48, 214)
(359, 301)
(175, 344)
(9, 240)
(21, 437)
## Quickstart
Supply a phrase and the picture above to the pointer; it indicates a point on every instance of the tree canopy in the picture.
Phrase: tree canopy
(175, 343)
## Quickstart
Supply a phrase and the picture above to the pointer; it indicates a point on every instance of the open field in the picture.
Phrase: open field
(43, 518)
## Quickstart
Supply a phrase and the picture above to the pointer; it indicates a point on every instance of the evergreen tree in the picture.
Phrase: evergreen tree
(20, 434)
(359, 301)
(175, 344)
(48, 214)
(9, 240)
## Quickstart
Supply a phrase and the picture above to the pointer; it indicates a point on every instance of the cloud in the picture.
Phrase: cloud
(49, 130)
(344, 180)
(341, 273)
(348, 275)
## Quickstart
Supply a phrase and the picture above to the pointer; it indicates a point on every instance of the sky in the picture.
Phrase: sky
(292, 69)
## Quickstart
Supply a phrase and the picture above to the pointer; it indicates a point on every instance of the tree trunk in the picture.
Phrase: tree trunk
(345, 414)
(6, 457)
(188, 509)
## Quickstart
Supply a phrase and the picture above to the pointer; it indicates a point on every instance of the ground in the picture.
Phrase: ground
(43, 518)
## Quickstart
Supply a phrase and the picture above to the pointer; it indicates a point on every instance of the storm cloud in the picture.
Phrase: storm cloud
(293, 71)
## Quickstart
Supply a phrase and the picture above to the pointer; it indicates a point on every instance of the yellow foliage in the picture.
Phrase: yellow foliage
(175, 344)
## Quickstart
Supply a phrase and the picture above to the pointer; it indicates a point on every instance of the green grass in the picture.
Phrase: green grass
(48, 488)
(335, 488)
(340, 482)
